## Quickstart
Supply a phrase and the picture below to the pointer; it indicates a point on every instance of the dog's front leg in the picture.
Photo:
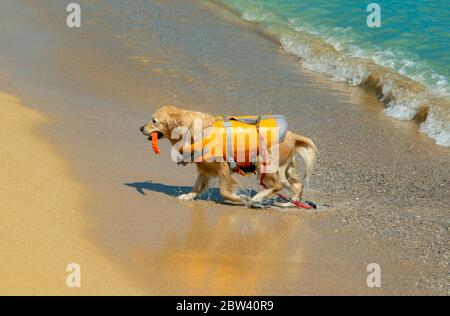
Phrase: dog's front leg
(201, 184)
(228, 186)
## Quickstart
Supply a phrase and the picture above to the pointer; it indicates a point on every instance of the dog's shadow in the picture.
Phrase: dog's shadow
(213, 194)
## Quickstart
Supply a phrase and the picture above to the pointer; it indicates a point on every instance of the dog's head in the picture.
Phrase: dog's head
(161, 123)
(169, 117)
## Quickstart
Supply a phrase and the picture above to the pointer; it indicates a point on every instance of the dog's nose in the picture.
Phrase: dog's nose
(142, 128)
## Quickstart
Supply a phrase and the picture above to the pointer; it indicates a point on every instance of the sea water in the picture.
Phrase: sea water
(406, 58)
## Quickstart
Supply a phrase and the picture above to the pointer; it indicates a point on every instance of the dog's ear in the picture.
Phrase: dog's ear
(175, 120)
(175, 117)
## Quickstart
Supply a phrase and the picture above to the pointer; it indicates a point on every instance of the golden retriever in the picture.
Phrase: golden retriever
(168, 118)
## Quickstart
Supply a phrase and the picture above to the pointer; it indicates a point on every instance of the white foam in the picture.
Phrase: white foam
(256, 14)
(437, 129)
(404, 111)
(345, 67)
(339, 70)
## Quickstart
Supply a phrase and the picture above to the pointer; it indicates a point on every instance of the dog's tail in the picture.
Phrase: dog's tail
(308, 151)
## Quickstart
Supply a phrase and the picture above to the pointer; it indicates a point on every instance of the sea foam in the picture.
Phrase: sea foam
(408, 87)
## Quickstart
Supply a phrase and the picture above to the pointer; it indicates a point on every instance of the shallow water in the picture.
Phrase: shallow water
(413, 38)
(332, 37)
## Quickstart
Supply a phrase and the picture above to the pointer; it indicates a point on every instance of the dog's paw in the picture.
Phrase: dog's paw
(244, 198)
(284, 204)
(187, 196)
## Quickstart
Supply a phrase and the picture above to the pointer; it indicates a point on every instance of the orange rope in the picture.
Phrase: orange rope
(154, 141)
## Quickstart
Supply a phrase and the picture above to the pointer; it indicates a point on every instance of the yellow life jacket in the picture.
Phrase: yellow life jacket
(238, 139)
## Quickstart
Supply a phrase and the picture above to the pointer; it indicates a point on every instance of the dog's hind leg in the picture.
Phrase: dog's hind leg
(272, 184)
(282, 173)
(201, 184)
(296, 186)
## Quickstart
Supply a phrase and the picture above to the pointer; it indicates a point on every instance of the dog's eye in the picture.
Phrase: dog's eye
(154, 121)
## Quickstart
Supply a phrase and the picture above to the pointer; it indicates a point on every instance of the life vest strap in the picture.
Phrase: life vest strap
(229, 157)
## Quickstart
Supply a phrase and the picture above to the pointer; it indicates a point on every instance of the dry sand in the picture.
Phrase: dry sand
(42, 227)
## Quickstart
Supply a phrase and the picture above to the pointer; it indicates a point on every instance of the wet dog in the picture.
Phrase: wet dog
(169, 118)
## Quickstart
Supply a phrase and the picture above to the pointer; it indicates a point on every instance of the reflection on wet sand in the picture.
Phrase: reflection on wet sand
(237, 251)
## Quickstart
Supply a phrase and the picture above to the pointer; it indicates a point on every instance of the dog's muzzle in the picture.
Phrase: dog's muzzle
(148, 131)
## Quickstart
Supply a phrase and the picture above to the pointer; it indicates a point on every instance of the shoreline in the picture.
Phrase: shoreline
(403, 98)
(42, 228)
(170, 247)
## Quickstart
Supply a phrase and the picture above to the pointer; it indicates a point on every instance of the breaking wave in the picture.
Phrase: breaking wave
(409, 88)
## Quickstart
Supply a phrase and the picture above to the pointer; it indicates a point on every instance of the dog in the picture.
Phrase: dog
(168, 118)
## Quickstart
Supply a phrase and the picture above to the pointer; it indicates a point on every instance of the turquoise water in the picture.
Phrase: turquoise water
(409, 55)
(414, 37)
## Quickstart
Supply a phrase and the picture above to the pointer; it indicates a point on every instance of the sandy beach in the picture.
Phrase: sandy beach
(42, 227)
(80, 184)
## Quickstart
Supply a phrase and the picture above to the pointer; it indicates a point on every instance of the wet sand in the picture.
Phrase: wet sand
(386, 186)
